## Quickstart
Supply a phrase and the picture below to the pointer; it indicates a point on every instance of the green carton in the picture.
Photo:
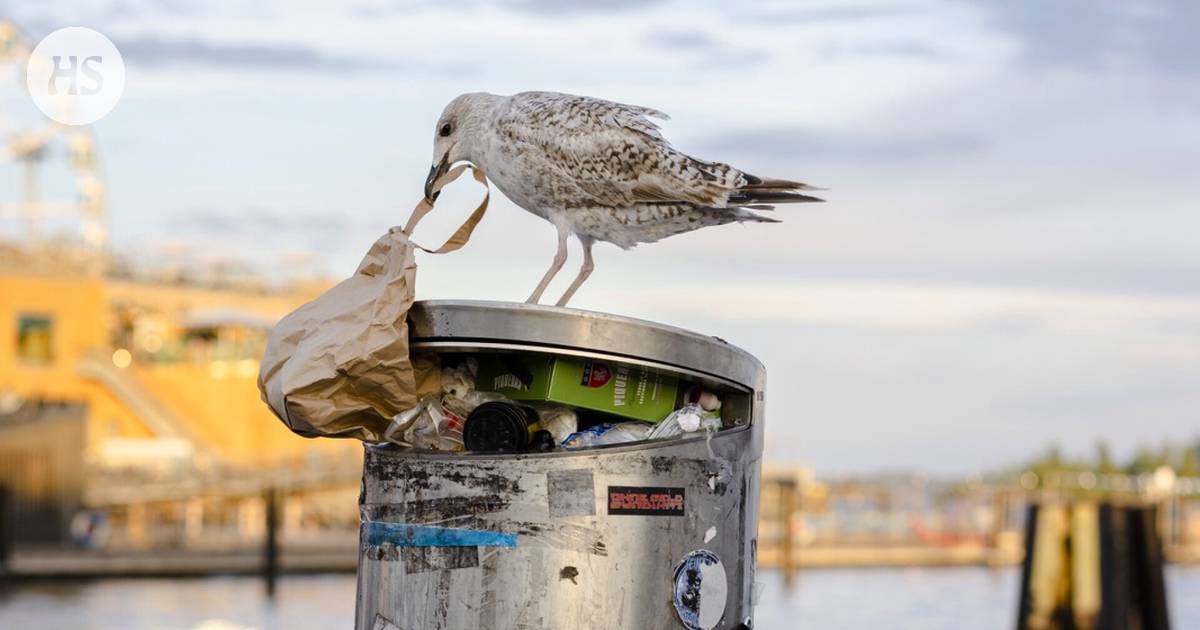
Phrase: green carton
(630, 391)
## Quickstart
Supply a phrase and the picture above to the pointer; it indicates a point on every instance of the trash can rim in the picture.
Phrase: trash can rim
(535, 325)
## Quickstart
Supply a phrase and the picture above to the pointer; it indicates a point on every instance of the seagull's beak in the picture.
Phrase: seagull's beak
(435, 172)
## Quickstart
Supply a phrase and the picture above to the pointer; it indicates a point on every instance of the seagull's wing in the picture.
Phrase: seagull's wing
(617, 156)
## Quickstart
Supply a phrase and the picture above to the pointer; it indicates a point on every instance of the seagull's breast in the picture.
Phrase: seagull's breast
(530, 178)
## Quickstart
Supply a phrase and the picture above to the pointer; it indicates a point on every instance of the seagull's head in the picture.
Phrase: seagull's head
(454, 138)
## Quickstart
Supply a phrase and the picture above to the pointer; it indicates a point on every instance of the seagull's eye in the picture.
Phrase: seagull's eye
(445, 130)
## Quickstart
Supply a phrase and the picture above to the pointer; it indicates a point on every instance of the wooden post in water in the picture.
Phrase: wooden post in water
(1025, 597)
(1114, 568)
(271, 540)
(7, 531)
(1147, 562)
(787, 507)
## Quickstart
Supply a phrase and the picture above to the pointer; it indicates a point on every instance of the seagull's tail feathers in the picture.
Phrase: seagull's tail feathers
(753, 181)
(742, 215)
(761, 191)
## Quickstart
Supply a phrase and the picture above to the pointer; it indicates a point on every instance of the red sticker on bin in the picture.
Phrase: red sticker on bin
(645, 501)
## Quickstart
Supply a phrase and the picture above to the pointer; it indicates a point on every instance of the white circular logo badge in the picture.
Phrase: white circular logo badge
(75, 75)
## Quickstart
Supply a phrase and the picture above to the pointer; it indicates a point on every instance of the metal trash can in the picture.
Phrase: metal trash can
(646, 535)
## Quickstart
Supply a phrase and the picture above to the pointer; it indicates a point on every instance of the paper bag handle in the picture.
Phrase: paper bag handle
(463, 233)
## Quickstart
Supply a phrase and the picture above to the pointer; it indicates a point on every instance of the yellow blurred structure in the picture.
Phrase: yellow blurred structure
(150, 362)
(130, 417)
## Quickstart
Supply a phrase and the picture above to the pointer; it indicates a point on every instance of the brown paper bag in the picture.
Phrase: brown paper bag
(339, 366)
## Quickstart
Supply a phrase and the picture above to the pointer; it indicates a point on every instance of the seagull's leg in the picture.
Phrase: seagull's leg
(585, 270)
(560, 258)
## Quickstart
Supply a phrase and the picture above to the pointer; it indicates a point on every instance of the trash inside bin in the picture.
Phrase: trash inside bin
(566, 509)
(629, 391)
(560, 403)
(508, 400)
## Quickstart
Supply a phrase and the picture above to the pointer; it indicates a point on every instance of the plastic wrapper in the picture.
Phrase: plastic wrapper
(687, 419)
(607, 434)
(561, 422)
(459, 395)
(437, 422)
(428, 426)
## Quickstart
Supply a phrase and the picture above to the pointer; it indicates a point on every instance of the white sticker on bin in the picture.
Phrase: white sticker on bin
(701, 590)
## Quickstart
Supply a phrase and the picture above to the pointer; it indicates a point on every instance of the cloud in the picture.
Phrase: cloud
(818, 15)
(741, 59)
(902, 49)
(559, 7)
(689, 40)
(1103, 35)
(156, 51)
(704, 50)
(791, 142)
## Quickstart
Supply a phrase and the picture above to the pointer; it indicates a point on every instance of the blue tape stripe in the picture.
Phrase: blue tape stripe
(402, 535)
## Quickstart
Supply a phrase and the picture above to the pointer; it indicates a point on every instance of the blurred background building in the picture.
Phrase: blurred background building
(129, 413)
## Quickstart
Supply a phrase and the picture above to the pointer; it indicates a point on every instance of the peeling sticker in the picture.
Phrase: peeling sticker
(570, 493)
(437, 510)
(701, 590)
(425, 559)
(402, 535)
(710, 534)
(559, 535)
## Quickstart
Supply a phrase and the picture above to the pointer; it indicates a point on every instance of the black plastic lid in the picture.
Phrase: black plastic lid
(498, 427)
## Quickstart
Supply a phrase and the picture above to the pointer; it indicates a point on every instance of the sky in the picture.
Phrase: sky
(1009, 257)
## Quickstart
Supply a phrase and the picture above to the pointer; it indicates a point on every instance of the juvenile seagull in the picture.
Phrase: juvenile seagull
(596, 169)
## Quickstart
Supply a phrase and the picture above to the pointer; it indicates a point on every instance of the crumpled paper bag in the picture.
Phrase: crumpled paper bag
(339, 366)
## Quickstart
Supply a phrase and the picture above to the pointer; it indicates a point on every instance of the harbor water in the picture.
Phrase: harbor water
(919, 598)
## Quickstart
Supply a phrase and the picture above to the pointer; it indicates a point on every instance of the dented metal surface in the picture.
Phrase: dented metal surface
(435, 546)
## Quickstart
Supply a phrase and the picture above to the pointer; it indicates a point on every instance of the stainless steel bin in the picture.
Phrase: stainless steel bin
(647, 535)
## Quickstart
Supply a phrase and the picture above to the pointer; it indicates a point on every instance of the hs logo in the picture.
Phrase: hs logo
(69, 68)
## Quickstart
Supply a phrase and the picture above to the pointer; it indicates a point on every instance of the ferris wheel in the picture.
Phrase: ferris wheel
(30, 142)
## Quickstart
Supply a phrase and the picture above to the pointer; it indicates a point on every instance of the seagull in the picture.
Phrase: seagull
(597, 169)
